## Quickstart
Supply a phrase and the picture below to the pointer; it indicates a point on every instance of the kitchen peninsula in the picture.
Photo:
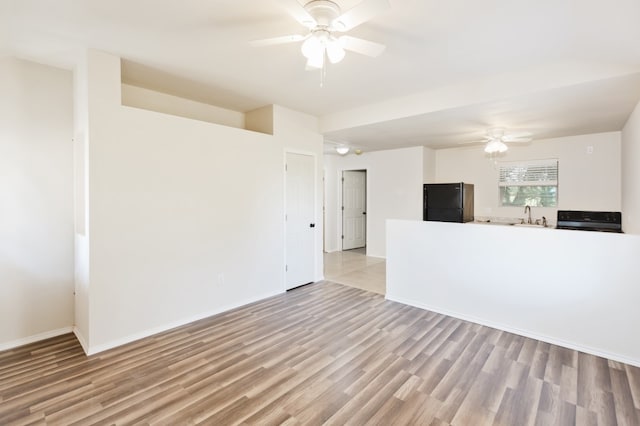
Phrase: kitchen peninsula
(576, 289)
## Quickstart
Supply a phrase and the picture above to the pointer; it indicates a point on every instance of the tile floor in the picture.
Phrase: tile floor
(355, 269)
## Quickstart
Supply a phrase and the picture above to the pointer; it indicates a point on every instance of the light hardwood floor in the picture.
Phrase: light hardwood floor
(355, 269)
(323, 353)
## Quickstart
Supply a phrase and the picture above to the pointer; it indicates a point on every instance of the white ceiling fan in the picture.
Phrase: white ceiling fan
(326, 21)
(496, 140)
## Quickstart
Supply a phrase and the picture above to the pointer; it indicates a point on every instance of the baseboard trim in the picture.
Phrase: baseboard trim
(92, 350)
(81, 339)
(524, 333)
(35, 338)
(377, 256)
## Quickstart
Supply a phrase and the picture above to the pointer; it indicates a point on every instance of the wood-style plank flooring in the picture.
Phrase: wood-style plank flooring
(324, 353)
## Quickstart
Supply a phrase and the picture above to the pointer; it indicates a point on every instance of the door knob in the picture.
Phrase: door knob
(364, 212)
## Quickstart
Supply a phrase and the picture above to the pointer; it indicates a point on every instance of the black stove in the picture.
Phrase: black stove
(589, 221)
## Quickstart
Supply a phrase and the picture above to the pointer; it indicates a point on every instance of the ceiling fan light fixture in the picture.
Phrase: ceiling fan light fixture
(335, 52)
(342, 150)
(312, 47)
(495, 146)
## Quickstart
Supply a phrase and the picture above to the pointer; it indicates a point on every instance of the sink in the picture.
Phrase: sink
(493, 223)
(531, 225)
(510, 221)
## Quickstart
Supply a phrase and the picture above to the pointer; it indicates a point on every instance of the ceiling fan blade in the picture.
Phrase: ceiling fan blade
(277, 40)
(359, 14)
(476, 142)
(364, 47)
(298, 12)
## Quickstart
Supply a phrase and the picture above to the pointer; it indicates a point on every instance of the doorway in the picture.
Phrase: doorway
(354, 209)
(300, 219)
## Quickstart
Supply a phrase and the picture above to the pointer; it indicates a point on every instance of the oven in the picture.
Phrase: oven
(589, 220)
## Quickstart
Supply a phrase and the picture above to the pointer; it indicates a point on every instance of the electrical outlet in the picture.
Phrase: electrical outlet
(590, 149)
(220, 279)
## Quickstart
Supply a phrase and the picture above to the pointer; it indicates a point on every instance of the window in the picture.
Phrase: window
(529, 183)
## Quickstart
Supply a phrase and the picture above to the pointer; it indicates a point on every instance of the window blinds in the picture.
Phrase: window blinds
(529, 173)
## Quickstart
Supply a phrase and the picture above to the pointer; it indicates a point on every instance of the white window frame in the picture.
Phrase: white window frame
(528, 173)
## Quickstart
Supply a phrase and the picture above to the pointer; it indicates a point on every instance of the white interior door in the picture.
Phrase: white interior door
(300, 219)
(354, 209)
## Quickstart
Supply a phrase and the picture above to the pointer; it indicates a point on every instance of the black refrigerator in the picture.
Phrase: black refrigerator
(448, 202)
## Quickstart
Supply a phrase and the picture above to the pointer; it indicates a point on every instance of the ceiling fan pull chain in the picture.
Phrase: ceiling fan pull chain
(323, 72)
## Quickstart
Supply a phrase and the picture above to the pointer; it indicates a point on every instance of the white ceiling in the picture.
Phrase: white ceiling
(590, 49)
(594, 107)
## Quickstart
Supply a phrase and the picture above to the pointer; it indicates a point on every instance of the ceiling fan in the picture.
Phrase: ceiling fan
(325, 22)
(496, 140)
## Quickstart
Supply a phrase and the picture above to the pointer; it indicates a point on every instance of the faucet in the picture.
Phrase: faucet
(528, 209)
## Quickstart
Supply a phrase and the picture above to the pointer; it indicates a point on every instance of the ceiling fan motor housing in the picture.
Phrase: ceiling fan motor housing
(323, 11)
(495, 133)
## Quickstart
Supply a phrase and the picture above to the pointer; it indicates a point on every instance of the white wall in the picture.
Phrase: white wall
(36, 202)
(161, 102)
(586, 181)
(186, 218)
(260, 120)
(429, 165)
(631, 173)
(582, 291)
(394, 191)
(81, 201)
